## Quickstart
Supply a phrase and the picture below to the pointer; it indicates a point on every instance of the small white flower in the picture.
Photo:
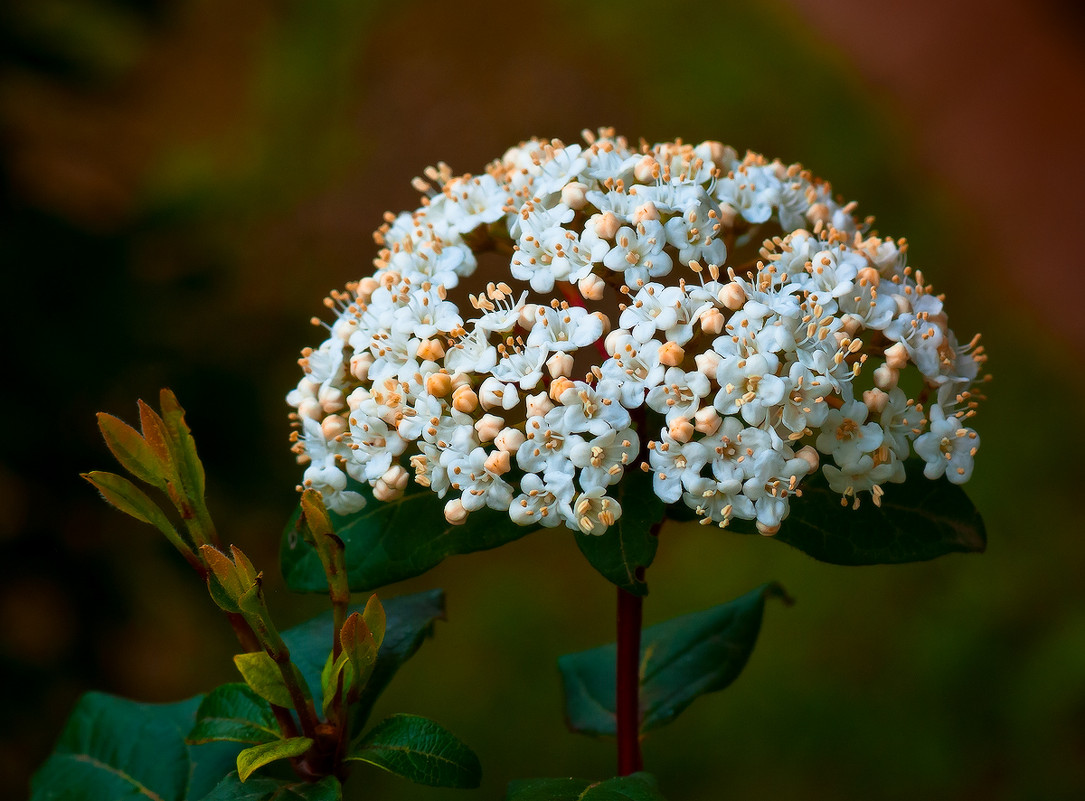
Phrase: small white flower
(749, 386)
(594, 512)
(566, 329)
(675, 465)
(604, 459)
(846, 434)
(680, 394)
(593, 409)
(948, 448)
(638, 253)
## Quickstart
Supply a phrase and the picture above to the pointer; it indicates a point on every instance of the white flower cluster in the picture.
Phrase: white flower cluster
(711, 321)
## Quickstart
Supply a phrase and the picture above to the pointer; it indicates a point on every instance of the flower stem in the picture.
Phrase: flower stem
(628, 682)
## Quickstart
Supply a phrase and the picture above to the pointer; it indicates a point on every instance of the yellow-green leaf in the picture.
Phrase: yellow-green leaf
(259, 755)
(131, 450)
(262, 674)
(122, 494)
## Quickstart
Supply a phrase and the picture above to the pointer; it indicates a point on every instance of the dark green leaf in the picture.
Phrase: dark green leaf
(636, 787)
(628, 547)
(395, 540)
(917, 520)
(234, 712)
(681, 659)
(210, 762)
(262, 674)
(264, 754)
(265, 788)
(115, 748)
(419, 750)
(409, 620)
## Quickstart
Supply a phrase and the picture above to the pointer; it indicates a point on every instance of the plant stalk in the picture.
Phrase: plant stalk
(630, 608)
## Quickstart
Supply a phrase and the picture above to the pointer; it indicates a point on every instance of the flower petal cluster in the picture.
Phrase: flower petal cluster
(721, 322)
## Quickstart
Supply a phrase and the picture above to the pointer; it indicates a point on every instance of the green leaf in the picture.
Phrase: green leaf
(266, 788)
(181, 445)
(681, 659)
(628, 547)
(262, 674)
(259, 755)
(122, 494)
(419, 750)
(917, 520)
(635, 787)
(410, 619)
(113, 748)
(329, 679)
(394, 540)
(132, 451)
(235, 713)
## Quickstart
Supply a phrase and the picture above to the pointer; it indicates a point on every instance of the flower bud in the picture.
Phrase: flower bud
(707, 363)
(310, 407)
(671, 354)
(707, 420)
(538, 405)
(646, 170)
(574, 195)
(607, 225)
(610, 344)
(885, 378)
(366, 287)
(712, 321)
(431, 350)
(509, 440)
(592, 287)
(334, 425)
(498, 462)
(766, 530)
(455, 513)
(331, 399)
(875, 400)
(648, 211)
(559, 365)
(438, 384)
(558, 386)
(896, 356)
(732, 296)
(360, 364)
(809, 455)
(528, 315)
(464, 400)
(604, 320)
(493, 394)
(488, 427)
(681, 430)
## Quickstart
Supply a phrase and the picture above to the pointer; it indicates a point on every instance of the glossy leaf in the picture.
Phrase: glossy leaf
(235, 713)
(917, 520)
(681, 659)
(115, 748)
(266, 788)
(420, 750)
(122, 494)
(628, 547)
(410, 619)
(636, 787)
(254, 758)
(390, 541)
(264, 677)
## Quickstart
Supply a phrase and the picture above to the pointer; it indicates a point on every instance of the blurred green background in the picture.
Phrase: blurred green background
(183, 180)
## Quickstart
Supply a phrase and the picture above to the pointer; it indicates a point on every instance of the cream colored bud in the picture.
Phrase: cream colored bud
(766, 530)
(819, 212)
(438, 384)
(681, 430)
(498, 462)
(671, 354)
(646, 170)
(331, 399)
(307, 388)
(732, 296)
(809, 455)
(574, 195)
(607, 225)
(875, 400)
(610, 344)
(712, 321)
(592, 287)
(360, 364)
(728, 213)
(460, 380)
(707, 363)
(560, 364)
(722, 155)
(558, 386)
(488, 427)
(455, 513)
(357, 397)
(334, 425)
(604, 320)
(896, 356)
(538, 405)
(464, 400)
(886, 378)
(528, 314)
(902, 302)
(310, 407)
(366, 288)
(395, 477)
(383, 492)
(430, 349)
(509, 440)
(647, 211)
(707, 420)
(850, 324)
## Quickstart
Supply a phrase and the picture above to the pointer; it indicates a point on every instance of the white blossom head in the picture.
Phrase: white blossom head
(530, 334)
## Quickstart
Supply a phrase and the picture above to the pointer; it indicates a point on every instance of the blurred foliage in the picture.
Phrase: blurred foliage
(183, 179)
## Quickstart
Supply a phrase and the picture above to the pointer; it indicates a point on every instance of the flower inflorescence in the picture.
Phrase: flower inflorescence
(668, 308)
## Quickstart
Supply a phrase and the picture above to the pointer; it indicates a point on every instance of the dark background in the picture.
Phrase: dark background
(184, 180)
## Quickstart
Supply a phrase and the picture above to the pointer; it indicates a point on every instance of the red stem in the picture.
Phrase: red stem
(628, 682)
